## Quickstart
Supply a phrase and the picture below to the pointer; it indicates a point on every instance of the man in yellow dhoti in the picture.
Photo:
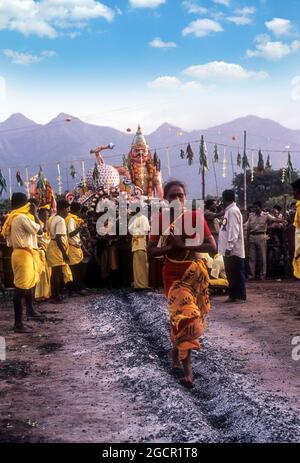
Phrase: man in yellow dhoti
(43, 287)
(74, 223)
(57, 252)
(296, 261)
(20, 229)
(139, 228)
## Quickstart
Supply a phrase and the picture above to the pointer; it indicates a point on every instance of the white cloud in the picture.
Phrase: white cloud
(222, 2)
(2, 89)
(146, 3)
(275, 51)
(193, 8)
(159, 43)
(45, 18)
(48, 53)
(220, 71)
(172, 82)
(27, 58)
(240, 20)
(242, 16)
(280, 26)
(202, 27)
(247, 10)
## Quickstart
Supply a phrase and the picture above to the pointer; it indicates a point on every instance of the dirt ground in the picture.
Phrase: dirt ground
(97, 370)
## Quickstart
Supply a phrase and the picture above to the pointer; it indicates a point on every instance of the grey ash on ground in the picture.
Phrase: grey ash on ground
(225, 406)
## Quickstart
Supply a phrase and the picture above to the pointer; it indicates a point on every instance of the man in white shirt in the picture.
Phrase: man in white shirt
(232, 248)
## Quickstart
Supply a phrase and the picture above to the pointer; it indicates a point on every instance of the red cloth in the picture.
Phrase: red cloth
(171, 270)
(197, 217)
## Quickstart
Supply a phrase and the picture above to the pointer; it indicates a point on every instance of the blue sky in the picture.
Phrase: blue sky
(191, 63)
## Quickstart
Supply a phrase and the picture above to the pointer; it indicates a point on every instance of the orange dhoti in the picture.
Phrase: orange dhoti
(186, 286)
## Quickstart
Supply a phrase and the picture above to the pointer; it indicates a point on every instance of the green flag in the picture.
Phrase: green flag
(3, 186)
(203, 154)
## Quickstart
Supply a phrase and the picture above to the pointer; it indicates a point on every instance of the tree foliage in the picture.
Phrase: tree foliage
(264, 186)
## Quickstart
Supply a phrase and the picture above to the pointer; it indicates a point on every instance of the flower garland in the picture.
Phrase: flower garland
(134, 171)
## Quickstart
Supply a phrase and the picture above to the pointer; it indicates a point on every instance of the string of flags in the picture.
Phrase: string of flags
(242, 162)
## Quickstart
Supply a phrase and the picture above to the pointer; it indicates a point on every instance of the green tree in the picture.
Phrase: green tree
(264, 186)
(261, 163)
(4, 205)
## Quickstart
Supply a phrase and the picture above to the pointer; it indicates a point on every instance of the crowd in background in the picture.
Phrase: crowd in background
(269, 235)
(107, 261)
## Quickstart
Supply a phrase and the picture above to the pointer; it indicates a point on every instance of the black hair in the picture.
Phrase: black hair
(171, 183)
(75, 207)
(84, 209)
(33, 201)
(62, 204)
(296, 184)
(228, 195)
(18, 200)
(209, 203)
(258, 204)
(277, 207)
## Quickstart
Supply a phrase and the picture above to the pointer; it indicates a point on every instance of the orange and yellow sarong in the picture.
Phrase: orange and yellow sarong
(186, 286)
(296, 261)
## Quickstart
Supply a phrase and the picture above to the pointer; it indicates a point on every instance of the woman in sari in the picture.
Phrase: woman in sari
(296, 261)
(184, 275)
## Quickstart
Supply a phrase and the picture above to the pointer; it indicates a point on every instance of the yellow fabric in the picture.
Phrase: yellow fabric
(73, 216)
(296, 261)
(25, 268)
(55, 259)
(140, 269)
(67, 274)
(22, 210)
(39, 265)
(218, 283)
(54, 255)
(297, 215)
(47, 207)
(43, 287)
(75, 254)
(138, 243)
(188, 303)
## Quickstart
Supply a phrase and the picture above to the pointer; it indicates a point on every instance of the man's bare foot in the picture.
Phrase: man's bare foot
(187, 382)
(20, 328)
(175, 362)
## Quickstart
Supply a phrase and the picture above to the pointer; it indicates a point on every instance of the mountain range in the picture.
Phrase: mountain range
(67, 139)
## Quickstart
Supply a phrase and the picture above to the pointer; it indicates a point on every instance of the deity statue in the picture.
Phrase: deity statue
(140, 175)
(142, 169)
